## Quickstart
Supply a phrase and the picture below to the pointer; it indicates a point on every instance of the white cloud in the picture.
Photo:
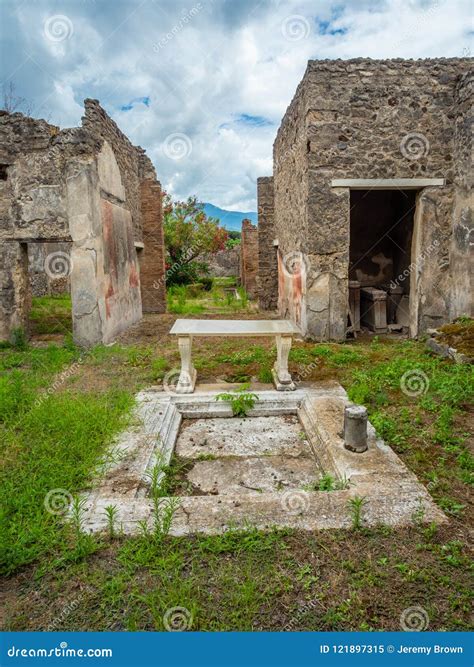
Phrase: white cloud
(229, 59)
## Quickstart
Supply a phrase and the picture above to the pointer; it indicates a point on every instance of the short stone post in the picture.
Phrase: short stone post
(355, 428)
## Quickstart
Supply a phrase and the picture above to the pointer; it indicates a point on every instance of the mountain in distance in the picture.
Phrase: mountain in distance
(231, 220)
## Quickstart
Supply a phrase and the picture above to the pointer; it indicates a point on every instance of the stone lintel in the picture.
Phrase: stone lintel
(386, 183)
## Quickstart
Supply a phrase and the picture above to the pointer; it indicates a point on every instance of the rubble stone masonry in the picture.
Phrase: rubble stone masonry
(267, 252)
(373, 119)
(249, 258)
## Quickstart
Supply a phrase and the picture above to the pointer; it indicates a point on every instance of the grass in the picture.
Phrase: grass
(51, 314)
(59, 409)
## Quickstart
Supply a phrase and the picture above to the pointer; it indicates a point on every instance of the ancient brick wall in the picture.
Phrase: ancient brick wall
(249, 257)
(267, 252)
(367, 119)
(134, 165)
(152, 257)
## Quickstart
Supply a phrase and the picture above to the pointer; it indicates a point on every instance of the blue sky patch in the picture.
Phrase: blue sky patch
(136, 100)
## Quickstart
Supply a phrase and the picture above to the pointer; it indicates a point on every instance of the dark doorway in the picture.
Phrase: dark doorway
(381, 230)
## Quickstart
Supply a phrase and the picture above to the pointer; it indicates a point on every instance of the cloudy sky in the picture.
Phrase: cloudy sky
(203, 85)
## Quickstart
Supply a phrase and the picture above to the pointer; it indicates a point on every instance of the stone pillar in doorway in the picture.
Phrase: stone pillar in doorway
(249, 258)
(152, 259)
(15, 298)
(267, 252)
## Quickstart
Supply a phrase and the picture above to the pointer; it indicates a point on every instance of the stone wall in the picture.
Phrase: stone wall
(74, 187)
(249, 258)
(152, 257)
(223, 263)
(461, 251)
(367, 119)
(134, 165)
(267, 251)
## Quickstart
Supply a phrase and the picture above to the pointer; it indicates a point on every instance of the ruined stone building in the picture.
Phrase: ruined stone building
(368, 216)
(84, 203)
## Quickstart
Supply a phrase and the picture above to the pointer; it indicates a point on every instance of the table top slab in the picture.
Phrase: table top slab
(233, 328)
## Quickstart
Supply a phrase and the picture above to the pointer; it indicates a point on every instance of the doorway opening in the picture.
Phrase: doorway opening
(381, 231)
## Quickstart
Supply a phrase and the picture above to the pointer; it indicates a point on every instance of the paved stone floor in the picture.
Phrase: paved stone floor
(261, 470)
(247, 455)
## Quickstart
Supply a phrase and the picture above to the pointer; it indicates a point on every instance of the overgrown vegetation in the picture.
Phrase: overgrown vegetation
(59, 409)
(241, 400)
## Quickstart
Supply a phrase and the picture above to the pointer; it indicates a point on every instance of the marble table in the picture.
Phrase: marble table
(283, 330)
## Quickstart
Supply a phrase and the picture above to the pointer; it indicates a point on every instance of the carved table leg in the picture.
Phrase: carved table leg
(281, 376)
(187, 376)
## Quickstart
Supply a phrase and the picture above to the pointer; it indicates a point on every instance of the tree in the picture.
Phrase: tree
(12, 102)
(189, 233)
